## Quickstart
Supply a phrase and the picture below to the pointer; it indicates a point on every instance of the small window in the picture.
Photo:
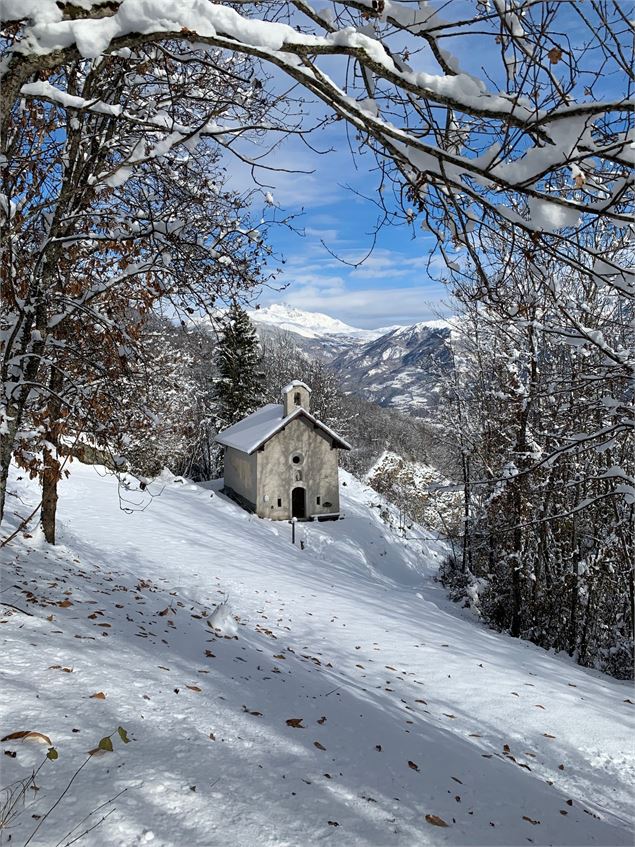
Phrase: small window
(317, 500)
(279, 502)
(298, 476)
(297, 398)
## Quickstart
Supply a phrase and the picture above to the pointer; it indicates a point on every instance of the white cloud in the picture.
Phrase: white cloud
(369, 307)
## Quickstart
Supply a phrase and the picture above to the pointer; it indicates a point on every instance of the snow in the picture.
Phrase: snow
(405, 704)
(296, 383)
(308, 324)
(247, 435)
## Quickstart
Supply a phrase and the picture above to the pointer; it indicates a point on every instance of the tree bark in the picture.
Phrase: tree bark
(52, 467)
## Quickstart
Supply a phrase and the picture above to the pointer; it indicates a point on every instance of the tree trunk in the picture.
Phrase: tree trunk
(52, 467)
(50, 478)
(6, 451)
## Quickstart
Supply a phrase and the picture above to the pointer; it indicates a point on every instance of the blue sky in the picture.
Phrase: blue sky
(391, 286)
(394, 284)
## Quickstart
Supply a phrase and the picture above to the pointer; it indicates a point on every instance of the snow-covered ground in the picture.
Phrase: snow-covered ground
(404, 714)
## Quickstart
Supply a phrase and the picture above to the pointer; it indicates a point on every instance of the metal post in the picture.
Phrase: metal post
(293, 523)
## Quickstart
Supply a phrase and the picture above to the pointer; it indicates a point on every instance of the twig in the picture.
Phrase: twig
(20, 527)
(57, 802)
(17, 608)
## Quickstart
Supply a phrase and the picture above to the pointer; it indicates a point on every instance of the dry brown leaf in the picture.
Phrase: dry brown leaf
(98, 696)
(435, 820)
(413, 765)
(296, 723)
(27, 735)
(193, 687)
(64, 604)
(529, 820)
(318, 745)
(322, 719)
(554, 55)
(546, 734)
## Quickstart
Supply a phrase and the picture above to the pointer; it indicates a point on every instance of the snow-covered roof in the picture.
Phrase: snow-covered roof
(295, 383)
(250, 433)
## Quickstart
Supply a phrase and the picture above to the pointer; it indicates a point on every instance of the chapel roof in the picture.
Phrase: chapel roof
(251, 432)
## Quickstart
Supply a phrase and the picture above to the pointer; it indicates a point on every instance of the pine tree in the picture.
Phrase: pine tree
(239, 385)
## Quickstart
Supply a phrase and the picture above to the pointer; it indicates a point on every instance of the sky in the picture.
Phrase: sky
(334, 228)
(400, 280)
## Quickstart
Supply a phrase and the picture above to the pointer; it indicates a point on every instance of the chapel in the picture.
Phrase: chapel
(281, 462)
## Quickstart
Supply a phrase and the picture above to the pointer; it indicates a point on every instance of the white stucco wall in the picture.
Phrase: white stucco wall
(240, 474)
(276, 472)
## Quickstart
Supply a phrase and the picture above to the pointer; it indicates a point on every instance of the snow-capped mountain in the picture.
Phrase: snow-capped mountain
(308, 324)
(402, 368)
(397, 366)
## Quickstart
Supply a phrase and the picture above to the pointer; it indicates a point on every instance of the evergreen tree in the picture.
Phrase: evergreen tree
(239, 385)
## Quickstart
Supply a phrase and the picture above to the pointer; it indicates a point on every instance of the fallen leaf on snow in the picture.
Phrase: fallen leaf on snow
(296, 723)
(318, 745)
(529, 820)
(27, 735)
(435, 820)
(413, 765)
(98, 696)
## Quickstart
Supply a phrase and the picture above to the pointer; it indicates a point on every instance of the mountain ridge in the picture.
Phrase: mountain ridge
(399, 367)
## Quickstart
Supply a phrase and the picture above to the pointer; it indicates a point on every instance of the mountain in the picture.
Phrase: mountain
(402, 368)
(398, 366)
(309, 324)
(338, 698)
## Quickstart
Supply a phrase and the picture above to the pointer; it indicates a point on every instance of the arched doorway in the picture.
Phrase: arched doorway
(298, 503)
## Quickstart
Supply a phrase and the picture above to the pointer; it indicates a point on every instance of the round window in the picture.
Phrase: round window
(297, 458)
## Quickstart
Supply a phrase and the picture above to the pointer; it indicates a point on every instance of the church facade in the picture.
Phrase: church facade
(281, 462)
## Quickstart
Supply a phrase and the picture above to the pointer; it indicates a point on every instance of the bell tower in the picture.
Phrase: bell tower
(295, 394)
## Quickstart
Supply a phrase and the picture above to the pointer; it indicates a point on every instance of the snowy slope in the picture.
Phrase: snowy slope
(405, 706)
